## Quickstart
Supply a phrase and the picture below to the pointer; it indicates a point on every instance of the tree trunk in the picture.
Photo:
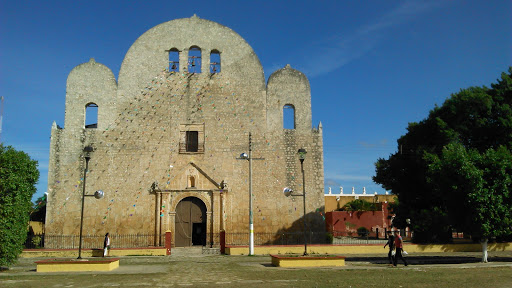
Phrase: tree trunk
(484, 250)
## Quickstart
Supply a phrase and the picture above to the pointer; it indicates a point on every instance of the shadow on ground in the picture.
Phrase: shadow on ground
(428, 260)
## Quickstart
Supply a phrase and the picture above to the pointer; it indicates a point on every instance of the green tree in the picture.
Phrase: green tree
(359, 205)
(478, 119)
(18, 177)
(478, 190)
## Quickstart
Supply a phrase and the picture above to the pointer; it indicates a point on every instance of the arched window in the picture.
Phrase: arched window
(194, 60)
(91, 115)
(215, 61)
(288, 116)
(174, 60)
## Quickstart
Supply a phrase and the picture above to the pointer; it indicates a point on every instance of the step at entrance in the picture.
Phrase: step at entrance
(187, 251)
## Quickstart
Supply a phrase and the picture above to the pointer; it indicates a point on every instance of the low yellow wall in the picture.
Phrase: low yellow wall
(74, 266)
(66, 253)
(365, 249)
(307, 261)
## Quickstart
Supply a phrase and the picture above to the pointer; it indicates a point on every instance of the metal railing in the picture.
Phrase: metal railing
(297, 238)
(185, 147)
(368, 237)
(92, 241)
(287, 238)
(212, 240)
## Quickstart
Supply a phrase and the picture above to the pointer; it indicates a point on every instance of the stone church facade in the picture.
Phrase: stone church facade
(168, 138)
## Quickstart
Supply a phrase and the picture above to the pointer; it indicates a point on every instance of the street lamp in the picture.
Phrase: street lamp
(244, 156)
(98, 195)
(289, 192)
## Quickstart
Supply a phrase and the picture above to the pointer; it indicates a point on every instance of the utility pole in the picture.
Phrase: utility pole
(249, 157)
(251, 225)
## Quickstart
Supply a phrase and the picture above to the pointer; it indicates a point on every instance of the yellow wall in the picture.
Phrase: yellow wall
(307, 261)
(31, 253)
(366, 249)
(70, 266)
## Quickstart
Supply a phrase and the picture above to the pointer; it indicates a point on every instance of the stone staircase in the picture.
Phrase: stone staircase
(194, 251)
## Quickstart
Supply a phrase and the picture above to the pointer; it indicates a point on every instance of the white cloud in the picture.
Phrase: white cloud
(349, 47)
(36, 151)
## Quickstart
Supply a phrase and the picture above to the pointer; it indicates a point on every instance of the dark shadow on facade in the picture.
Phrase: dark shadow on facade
(294, 235)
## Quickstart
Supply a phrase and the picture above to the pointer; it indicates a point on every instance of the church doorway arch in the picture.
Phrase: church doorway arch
(190, 223)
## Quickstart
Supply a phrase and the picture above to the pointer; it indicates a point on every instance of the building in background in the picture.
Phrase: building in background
(342, 223)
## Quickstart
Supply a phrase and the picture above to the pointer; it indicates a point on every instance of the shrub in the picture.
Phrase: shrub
(360, 205)
(18, 176)
(329, 238)
(362, 231)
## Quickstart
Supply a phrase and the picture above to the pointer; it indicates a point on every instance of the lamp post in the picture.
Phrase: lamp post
(98, 195)
(289, 192)
(244, 156)
(251, 224)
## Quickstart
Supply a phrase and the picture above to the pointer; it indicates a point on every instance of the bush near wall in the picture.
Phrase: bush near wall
(18, 176)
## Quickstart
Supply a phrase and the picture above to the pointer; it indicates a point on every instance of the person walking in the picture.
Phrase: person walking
(391, 244)
(106, 245)
(399, 248)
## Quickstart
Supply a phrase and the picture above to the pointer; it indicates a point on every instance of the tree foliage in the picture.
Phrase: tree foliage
(18, 177)
(478, 188)
(475, 123)
(359, 205)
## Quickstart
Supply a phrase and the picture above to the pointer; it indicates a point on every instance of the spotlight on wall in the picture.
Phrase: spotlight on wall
(287, 191)
(98, 194)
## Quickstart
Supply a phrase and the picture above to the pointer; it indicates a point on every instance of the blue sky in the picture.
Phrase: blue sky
(373, 66)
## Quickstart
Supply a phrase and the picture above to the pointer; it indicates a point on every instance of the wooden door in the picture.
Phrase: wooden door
(190, 223)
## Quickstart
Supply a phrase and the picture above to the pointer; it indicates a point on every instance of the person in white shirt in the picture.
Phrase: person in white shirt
(106, 245)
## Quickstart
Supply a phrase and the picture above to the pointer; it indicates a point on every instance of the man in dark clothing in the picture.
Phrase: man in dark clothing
(399, 246)
(391, 244)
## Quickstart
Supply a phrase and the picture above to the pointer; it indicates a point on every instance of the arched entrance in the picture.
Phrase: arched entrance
(190, 223)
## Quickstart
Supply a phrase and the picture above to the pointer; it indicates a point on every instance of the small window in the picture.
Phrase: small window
(91, 115)
(192, 141)
(215, 61)
(288, 116)
(194, 60)
(191, 138)
(174, 60)
(191, 182)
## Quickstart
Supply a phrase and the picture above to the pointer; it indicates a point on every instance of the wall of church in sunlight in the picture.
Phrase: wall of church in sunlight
(168, 131)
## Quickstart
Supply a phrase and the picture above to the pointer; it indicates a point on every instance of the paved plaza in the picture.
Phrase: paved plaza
(187, 267)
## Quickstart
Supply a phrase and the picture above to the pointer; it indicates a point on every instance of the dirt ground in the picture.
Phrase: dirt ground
(189, 268)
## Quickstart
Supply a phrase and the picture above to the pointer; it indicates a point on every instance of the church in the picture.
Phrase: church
(164, 142)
